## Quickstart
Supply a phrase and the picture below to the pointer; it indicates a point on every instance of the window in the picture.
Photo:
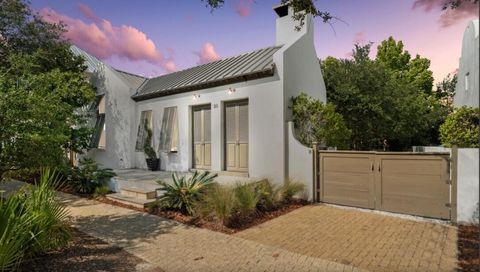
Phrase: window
(466, 81)
(98, 138)
(169, 131)
(145, 123)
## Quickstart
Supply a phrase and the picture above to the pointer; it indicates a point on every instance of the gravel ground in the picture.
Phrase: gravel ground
(86, 253)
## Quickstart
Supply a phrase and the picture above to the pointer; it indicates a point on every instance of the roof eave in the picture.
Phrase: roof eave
(200, 86)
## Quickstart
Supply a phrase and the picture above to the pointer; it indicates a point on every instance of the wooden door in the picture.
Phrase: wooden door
(413, 184)
(347, 179)
(202, 157)
(236, 136)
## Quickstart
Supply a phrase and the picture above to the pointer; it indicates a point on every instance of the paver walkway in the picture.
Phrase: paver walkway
(172, 246)
(364, 239)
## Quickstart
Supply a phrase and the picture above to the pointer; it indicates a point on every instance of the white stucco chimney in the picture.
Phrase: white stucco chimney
(285, 25)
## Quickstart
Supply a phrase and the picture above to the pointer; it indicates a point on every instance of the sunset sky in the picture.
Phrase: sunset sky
(151, 38)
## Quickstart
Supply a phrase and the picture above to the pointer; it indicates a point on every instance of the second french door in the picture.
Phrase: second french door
(236, 136)
(202, 156)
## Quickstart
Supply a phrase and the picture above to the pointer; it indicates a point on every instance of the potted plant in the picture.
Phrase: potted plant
(150, 155)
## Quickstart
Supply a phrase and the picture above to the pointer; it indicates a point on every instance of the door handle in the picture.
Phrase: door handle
(379, 169)
(373, 168)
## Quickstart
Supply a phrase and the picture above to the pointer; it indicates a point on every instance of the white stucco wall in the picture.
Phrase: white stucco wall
(468, 185)
(469, 64)
(300, 162)
(119, 118)
(266, 141)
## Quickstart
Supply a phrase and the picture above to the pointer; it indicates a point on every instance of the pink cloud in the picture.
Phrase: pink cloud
(104, 40)
(207, 54)
(88, 13)
(359, 37)
(451, 16)
(243, 7)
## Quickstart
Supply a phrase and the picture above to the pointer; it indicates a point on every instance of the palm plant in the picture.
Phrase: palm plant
(14, 231)
(183, 194)
(32, 222)
(50, 226)
(88, 176)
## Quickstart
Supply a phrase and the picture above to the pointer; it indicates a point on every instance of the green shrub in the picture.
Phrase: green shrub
(289, 189)
(318, 122)
(101, 191)
(147, 146)
(246, 199)
(88, 176)
(32, 222)
(461, 128)
(218, 203)
(14, 231)
(50, 225)
(185, 192)
(268, 195)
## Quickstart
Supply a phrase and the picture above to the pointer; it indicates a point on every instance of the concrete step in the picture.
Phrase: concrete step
(132, 201)
(140, 193)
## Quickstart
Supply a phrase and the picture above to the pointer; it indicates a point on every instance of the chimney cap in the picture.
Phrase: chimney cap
(281, 10)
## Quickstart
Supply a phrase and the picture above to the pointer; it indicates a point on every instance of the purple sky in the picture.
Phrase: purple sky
(156, 37)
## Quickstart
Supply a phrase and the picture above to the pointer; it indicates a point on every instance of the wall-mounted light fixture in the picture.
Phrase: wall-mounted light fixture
(196, 96)
(231, 91)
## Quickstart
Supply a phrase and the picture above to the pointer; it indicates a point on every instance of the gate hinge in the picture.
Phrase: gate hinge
(448, 181)
(448, 205)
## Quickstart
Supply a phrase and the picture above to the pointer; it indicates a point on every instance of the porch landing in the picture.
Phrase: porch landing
(139, 187)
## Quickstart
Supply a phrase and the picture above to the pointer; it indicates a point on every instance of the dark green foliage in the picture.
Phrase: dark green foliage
(42, 84)
(462, 128)
(32, 222)
(185, 191)
(318, 122)
(147, 147)
(385, 102)
(88, 176)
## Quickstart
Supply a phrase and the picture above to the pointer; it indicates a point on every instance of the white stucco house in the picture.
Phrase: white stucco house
(467, 89)
(225, 116)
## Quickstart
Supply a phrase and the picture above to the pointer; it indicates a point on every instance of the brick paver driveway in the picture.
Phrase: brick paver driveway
(363, 239)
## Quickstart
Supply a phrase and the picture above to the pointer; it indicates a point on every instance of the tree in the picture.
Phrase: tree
(300, 9)
(382, 108)
(42, 86)
(318, 122)
(462, 128)
(446, 89)
(392, 54)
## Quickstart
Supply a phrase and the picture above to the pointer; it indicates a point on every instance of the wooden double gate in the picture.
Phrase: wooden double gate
(403, 182)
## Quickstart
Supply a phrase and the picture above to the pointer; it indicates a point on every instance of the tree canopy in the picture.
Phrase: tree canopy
(385, 101)
(42, 86)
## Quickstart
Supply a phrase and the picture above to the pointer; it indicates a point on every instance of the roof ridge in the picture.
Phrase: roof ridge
(128, 73)
(223, 59)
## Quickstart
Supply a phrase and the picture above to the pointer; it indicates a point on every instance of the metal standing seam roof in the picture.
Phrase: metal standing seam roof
(92, 63)
(247, 66)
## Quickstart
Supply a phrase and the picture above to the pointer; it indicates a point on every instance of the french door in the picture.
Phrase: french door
(202, 156)
(236, 136)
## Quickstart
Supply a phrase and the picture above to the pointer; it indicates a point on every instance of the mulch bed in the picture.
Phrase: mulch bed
(246, 223)
(469, 248)
(86, 253)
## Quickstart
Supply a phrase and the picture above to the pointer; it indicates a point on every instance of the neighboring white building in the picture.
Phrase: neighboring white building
(229, 115)
(467, 89)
